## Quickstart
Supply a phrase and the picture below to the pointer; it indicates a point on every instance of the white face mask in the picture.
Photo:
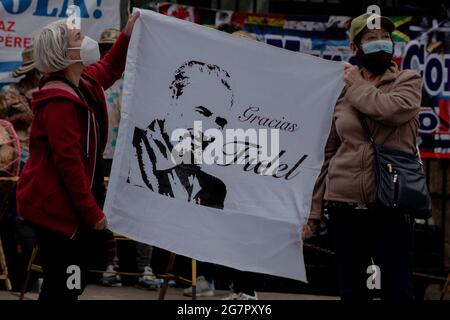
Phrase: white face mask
(89, 51)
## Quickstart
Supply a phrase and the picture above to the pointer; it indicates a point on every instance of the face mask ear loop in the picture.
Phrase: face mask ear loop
(359, 47)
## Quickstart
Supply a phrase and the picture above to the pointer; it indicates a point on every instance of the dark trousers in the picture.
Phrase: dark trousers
(56, 253)
(206, 269)
(143, 256)
(385, 238)
(243, 281)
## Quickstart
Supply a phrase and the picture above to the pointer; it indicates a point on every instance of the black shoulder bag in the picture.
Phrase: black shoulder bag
(401, 183)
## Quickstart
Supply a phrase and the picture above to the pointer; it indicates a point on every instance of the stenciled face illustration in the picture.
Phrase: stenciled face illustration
(200, 93)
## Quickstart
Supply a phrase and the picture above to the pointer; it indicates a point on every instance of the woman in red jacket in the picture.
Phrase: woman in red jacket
(61, 187)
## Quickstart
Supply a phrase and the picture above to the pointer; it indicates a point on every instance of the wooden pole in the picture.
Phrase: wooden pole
(167, 277)
(4, 269)
(194, 279)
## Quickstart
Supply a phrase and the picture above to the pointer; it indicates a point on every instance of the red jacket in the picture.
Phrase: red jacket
(54, 190)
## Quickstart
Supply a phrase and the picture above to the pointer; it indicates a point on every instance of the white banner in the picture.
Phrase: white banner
(246, 215)
(20, 20)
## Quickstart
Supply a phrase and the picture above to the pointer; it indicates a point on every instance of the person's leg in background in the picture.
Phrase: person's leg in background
(243, 286)
(207, 270)
(143, 264)
(205, 281)
(109, 253)
(351, 240)
(394, 255)
(18, 239)
(26, 241)
(8, 236)
(109, 277)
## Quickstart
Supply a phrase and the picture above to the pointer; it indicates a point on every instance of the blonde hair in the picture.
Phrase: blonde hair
(50, 47)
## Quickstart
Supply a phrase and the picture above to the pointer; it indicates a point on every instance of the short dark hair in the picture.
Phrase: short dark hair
(229, 27)
(182, 79)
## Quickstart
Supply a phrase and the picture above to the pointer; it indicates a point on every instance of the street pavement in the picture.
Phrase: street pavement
(96, 292)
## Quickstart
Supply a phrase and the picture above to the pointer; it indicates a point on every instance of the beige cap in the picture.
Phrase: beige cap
(27, 62)
(109, 35)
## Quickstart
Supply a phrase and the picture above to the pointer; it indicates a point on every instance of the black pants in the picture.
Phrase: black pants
(56, 253)
(143, 256)
(207, 269)
(243, 282)
(379, 236)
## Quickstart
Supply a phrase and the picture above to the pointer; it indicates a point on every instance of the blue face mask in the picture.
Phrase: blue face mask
(377, 46)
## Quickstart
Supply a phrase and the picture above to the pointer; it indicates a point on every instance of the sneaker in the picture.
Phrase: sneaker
(203, 288)
(241, 296)
(110, 279)
(148, 280)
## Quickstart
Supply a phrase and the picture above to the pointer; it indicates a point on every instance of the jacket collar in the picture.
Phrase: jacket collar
(390, 74)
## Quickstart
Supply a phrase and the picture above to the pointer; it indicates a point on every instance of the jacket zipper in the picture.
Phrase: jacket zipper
(394, 174)
(363, 194)
(95, 140)
(88, 133)
(95, 151)
(395, 180)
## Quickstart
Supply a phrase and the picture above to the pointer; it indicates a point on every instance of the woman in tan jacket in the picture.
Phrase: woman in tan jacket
(363, 235)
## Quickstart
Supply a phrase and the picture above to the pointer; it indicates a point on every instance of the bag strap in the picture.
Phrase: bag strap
(62, 79)
(365, 126)
(54, 84)
(369, 135)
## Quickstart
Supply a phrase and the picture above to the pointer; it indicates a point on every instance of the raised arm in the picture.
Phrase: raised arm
(111, 67)
(392, 108)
